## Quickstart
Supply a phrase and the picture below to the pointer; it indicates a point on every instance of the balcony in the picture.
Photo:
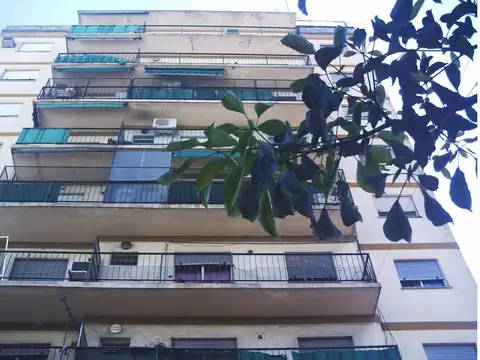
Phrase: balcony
(193, 102)
(122, 201)
(181, 38)
(241, 66)
(223, 284)
(382, 352)
(107, 198)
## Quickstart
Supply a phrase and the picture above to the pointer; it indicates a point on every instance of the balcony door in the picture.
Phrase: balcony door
(133, 177)
(204, 349)
(305, 267)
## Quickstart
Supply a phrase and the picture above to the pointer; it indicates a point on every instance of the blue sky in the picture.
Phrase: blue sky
(64, 12)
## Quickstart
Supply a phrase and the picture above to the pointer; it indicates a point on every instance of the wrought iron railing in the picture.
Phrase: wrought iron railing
(157, 89)
(187, 267)
(181, 58)
(382, 352)
(114, 185)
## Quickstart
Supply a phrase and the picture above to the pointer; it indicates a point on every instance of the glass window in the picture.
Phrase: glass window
(203, 267)
(325, 342)
(124, 258)
(35, 47)
(384, 204)
(419, 273)
(451, 351)
(19, 75)
(39, 269)
(311, 267)
(10, 109)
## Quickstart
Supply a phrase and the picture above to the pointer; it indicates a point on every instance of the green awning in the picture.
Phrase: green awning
(81, 105)
(183, 71)
(92, 69)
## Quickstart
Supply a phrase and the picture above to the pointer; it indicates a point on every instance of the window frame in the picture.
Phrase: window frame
(19, 48)
(126, 255)
(422, 282)
(325, 338)
(409, 214)
(5, 72)
(14, 115)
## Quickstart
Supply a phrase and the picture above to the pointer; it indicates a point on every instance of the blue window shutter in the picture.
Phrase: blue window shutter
(451, 352)
(418, 270)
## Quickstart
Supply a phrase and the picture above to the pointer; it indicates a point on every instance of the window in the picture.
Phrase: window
(309, 344)
(212, 343)
(311, 267)
(24, 351)
(451, 352)
(39, 269)
(124, 258)
(10, 109)
(35, 47)
(19, 75)
(384, 204)
(114, 342)
(203, 267)
(419, 274)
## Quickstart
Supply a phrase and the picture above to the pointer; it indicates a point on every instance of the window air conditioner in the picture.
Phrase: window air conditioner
(79, 271)
(8, 42)
(164, 126)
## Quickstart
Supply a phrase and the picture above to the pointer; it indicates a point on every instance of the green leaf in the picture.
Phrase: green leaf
(380, 95)
(266, 218)
(231, 102)
(232, 186)
(298, 85)
(388, 137)
(416, 8)
(183, 145)
(455, 59)
(364, 170)
(381, 154)
(241, 147)
(272, 127)
(298, 43)
(172, 175)
(210, 171)
(220, 138)
(204, 194)
(349, 53)
(260, 108)
(446, 173)
(463, 153)
(339, 36)
(397, 174)
(228, 128)
(209, 129)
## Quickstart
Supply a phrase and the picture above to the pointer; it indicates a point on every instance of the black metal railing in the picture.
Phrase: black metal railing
(237, 268)
(158, 89)
(382, 352)
(150, 58)
(113, 185)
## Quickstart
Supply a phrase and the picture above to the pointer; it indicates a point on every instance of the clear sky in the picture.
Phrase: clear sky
(64, 12)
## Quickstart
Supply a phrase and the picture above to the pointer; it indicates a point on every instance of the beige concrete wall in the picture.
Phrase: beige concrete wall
(205, 18)
(15, 56)
(201, 43)
(29, 88)
(456, 302)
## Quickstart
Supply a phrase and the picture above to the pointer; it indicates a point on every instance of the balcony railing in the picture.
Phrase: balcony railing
(220, 30)
(112, 185)
(109, 136)
(158, 89)
(179, 58)
(237, 268)
(382, 352)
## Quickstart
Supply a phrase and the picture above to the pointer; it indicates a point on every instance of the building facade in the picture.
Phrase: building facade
(103, 262)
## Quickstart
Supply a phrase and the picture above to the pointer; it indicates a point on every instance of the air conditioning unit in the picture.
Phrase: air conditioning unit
(8, 42)
(164, 126)
(79, 271)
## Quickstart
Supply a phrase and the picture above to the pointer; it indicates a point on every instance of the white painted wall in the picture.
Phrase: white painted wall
(16, 56)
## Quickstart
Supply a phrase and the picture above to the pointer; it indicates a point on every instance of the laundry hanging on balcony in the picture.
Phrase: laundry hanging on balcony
(183, 71)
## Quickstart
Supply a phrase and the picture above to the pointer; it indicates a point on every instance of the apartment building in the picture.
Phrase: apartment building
(102, 262)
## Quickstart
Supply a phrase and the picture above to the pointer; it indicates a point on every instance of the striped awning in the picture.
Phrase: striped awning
(183, 71)
(94, 69)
